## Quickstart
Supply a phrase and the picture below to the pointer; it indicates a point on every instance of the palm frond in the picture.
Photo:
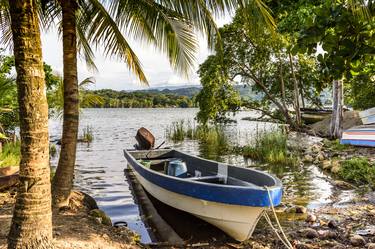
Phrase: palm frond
(103, 30)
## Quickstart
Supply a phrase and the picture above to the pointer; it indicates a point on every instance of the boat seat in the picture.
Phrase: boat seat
(209, 179)
(238, 182)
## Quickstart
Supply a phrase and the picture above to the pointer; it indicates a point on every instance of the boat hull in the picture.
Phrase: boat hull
(359, 136)
(237, 221)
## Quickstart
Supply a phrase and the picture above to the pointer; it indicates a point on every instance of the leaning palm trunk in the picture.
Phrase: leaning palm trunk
(32, 219)
(63, 180)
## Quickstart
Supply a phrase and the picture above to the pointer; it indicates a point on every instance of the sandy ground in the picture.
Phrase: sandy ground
(72, 227)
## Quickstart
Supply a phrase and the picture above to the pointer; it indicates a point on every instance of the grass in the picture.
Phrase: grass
(181, 130)
(358, 170)
(10, 155)
(270, 147)
(52, 150)
(88, 135)
(335, 145)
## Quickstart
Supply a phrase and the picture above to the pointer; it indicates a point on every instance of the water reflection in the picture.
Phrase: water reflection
(100, 165)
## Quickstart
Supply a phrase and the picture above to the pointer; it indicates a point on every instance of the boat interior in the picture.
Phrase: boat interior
(177, 164)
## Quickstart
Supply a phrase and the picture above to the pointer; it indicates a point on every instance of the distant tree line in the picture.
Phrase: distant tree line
(138, 99)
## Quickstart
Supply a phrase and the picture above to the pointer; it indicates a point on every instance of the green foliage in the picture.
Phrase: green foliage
(256, 57)
(52, 150)
(88, 135)
(140, 99)
(358, 170)
(217, 97)
(346, 37)
(10, 155)
(211, 135)
(335, 145)
(270, 147)
(86, 98)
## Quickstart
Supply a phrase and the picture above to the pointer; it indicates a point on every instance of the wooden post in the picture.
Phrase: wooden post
(337, 109)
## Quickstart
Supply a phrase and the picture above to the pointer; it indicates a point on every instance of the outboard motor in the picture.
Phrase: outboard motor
(177, 168)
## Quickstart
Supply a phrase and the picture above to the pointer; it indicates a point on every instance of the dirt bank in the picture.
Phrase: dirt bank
(73, 227)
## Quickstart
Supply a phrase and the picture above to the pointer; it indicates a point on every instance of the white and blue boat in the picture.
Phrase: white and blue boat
(229, 197)
(363, 135)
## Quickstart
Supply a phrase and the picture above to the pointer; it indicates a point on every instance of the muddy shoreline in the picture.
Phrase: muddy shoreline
(73, 226)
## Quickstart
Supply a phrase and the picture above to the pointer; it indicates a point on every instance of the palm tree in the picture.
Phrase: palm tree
(164, 27)
(32, 219)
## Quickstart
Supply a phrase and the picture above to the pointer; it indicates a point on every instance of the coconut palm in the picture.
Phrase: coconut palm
(168, 25)
(32, 220)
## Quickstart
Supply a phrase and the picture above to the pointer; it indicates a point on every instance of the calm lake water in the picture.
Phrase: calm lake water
(100, 165)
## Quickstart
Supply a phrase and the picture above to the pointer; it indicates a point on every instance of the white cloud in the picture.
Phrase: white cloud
(114, 74)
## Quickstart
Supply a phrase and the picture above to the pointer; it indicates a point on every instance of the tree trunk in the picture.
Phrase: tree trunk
(337, 109)
(63, 180)
(282, 85)
(32, 218)
(296, 93)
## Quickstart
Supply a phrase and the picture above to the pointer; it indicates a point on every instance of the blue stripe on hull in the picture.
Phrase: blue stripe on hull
(365, 143)
(234, 195)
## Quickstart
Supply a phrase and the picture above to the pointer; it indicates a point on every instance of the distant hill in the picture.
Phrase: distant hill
(183, 91)
(190, 91)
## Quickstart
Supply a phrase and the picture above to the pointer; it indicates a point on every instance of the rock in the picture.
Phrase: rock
(370, 245)
(309, 233)
(320, 157)
(336, 166)
(145, 139)
(311, 218)
(300, 210)
(339, 246)
(327, 234)
(343, 185)
(326, 165)
(10, 170)
(316, 148)
(308, 158)
(332, 224)
(97, 213)
(357, 240)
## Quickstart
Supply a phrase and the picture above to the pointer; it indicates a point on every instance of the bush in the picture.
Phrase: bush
(11, 154)
(270, 147)
(358, 170)
(88, 135)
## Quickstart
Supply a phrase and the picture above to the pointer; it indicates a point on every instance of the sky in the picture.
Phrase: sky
(114, 74)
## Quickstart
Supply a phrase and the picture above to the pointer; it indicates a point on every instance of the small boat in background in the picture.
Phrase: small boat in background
(368, 116)
(229, 197)
(363, 135)
(312, 115)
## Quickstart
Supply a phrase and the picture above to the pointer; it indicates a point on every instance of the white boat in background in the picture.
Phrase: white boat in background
(368, 116)
(363, 135)
(229, 197)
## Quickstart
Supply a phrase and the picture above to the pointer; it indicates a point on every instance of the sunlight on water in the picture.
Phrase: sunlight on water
(100, 165)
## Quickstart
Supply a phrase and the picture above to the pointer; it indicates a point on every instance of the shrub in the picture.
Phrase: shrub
(11, 154)
(358, 170)
(270, 147)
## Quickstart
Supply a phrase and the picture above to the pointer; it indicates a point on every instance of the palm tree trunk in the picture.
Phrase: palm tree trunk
(63, 180)
(32, 218)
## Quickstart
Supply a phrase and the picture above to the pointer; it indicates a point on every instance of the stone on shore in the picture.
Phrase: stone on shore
(357, 240)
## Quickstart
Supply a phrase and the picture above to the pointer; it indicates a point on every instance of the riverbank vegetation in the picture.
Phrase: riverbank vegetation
(358, 170)
(271, 147)
(10, 154)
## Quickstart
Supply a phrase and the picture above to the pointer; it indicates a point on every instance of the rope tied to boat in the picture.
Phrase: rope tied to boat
(283, 238)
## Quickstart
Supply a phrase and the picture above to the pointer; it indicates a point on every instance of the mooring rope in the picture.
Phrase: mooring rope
(283, 239)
